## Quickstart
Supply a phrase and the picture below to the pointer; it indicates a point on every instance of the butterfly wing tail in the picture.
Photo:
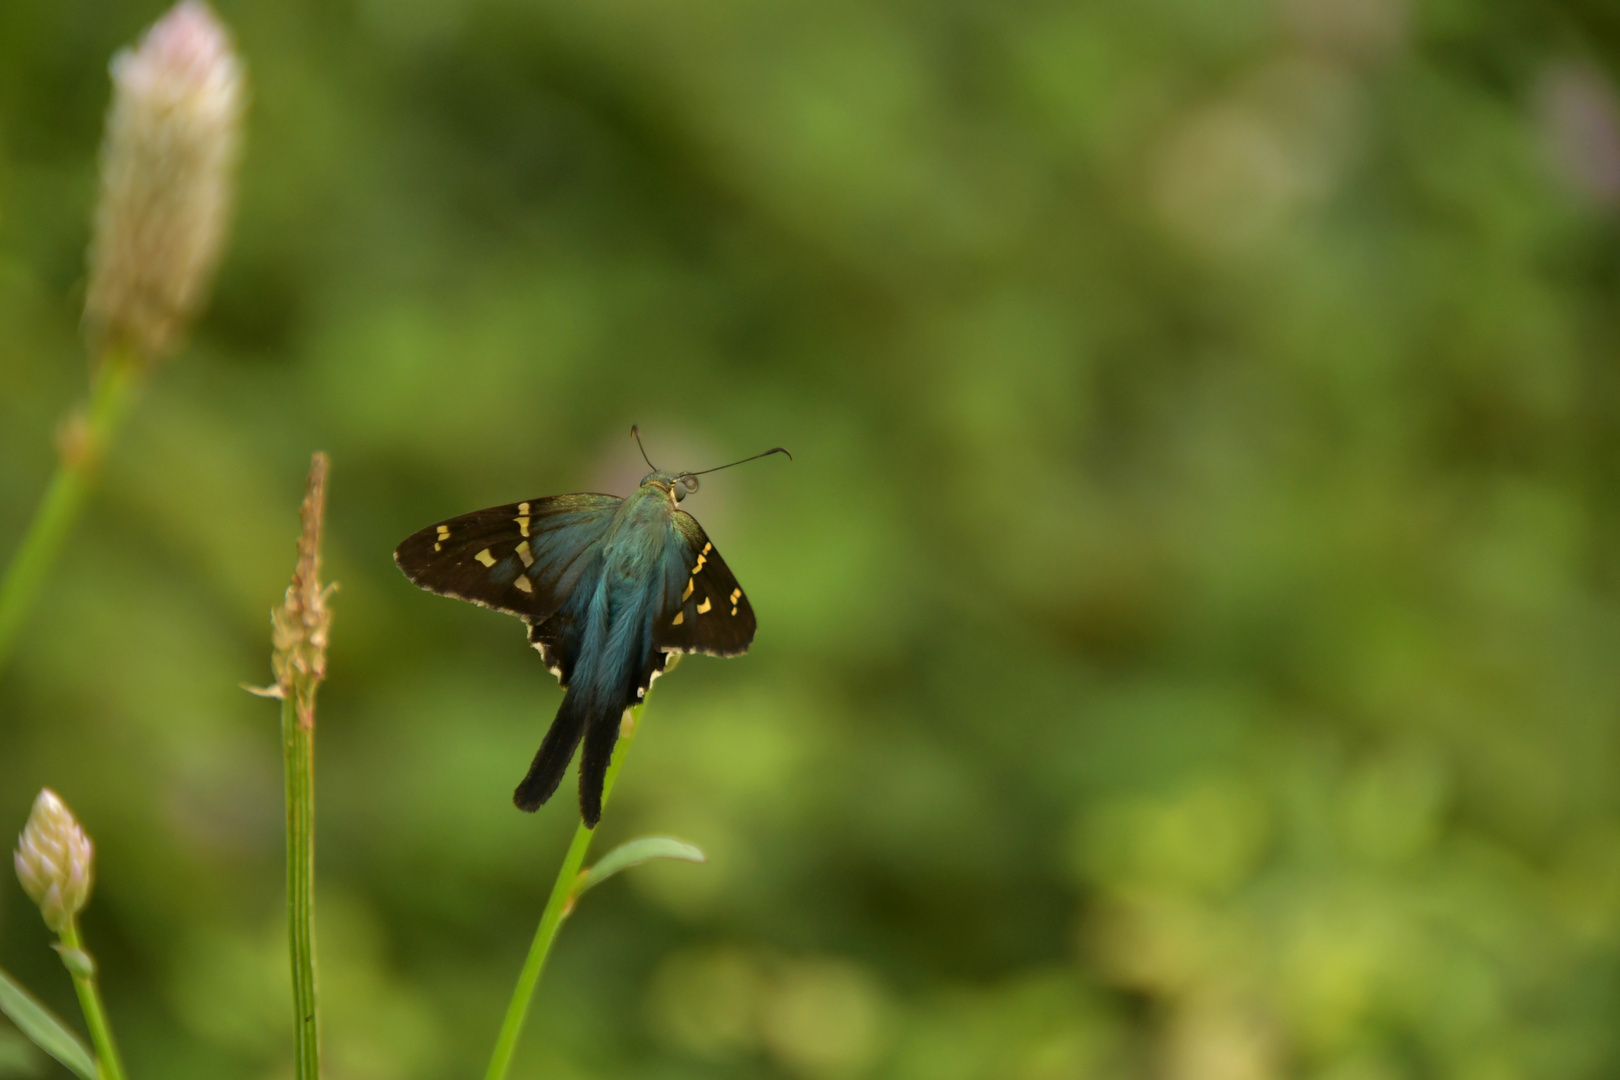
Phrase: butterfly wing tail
(556, 750)
(600, 738)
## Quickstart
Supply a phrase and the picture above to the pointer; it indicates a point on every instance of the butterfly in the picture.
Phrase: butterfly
(610, 588)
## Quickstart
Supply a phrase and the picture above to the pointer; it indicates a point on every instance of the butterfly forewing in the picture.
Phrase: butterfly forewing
(705, 610)
(523, 558)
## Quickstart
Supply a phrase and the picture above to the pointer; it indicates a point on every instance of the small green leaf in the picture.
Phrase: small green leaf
(77, 961)
(49, 1034)
(636, 852)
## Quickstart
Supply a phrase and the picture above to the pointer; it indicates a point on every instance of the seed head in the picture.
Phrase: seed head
(55, 861)
(300, 626)
(167, 163)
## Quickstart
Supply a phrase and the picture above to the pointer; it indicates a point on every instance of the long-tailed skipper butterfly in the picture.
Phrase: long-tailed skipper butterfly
(610, 589)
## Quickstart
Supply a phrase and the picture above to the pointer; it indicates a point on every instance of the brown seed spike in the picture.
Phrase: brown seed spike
(300, 625)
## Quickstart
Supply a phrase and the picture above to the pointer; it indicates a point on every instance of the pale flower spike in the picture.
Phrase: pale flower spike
(167, 163)
(300, 626)
(55, 861)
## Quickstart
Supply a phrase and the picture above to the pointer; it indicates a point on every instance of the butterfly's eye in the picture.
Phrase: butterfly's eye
(684, 486)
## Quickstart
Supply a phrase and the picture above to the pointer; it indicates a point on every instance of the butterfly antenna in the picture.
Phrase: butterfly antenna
(768, 453)
(637, 435)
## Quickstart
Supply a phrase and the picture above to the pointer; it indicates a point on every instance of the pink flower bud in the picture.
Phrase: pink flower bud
(55, 861)
(166, 181)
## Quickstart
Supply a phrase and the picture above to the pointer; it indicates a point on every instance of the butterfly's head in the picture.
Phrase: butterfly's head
(680, 485)
(677, 487)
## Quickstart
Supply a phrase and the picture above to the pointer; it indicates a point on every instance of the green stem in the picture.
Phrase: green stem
(108, 1064)
(558, 908)
(298, 744)
(110, 398)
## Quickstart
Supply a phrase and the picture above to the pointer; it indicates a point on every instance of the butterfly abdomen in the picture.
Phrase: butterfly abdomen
(615, 646)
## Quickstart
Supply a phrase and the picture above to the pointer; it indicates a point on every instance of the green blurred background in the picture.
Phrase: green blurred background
(1188, 633)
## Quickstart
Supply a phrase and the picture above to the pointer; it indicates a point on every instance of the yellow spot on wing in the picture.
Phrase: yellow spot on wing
(688, 591)
(704, 607)
(523, 524)
(437, 546)
(525, 554)
(736, 594)
(734, 611)
(523, 508)
(680, 617)
(444, 532)
(523, 583)
(707, 547)
(485, 557)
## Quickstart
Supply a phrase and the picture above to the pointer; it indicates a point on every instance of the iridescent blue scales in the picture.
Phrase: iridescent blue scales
(609, 587)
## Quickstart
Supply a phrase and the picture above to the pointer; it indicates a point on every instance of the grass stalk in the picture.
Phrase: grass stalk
(299, 630)
(558, 907)
(116, 381)
(298, 747)
(109, 1065)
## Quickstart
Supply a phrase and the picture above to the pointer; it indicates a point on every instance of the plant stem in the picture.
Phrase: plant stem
(298, 745)
(108, 1064)
(558, 908)
(110, 397)
(298, 634)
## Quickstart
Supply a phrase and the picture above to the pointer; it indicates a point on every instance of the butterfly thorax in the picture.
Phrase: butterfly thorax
(640, 530)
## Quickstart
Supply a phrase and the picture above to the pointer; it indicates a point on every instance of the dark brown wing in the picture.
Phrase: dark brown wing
(523, 558)
(704, 608)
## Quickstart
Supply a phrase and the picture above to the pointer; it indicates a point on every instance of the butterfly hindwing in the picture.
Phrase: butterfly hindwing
(558, 636)
(523, 558)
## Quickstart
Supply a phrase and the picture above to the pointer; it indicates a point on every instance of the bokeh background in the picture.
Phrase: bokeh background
(1189, 634)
